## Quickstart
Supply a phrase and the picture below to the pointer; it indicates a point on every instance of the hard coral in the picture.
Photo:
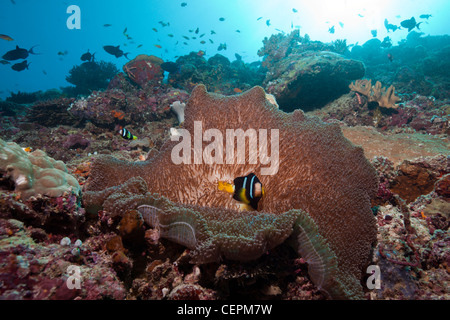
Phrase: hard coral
(384, 97)
(320, 194)
(35, 173)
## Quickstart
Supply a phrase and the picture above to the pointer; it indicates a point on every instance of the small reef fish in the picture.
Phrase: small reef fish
(390, 26)
(183, 4)
(331, 30)
(87, 56)
(213, 32)
(268, 22)
(221, 19)
(118, 114)
(294, 10)
(127, 134)
(197, 30)
(6, 37)
(248, 190)
(390, 57)
(374, 33)
(106, 25)
(410, 24)
(164, 24)
(170, 35)
(158, 46)
(27, 149)
(63, 53)
(115, 51)
(18, 53)
(238, 57)
(139, 46)
(238, 31)
(341, 24)
(259, 19)
(20, 66)
(4, 62)
(203, 42)
(201, 53)
(360, 15)
(222, 46)
(211, 41)
(187, 38)
(425, 16)
(237, 90)
(170, 67)
(154, 29)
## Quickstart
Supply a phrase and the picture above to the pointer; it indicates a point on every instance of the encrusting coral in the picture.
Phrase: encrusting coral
(319, 197)
(384, 97)
(35, 173)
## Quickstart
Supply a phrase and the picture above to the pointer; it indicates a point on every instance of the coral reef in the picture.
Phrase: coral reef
(157, 230)
(384, 97)
(51, 113)
(335, 179)
(217, 73)
(115, 106)
(35, 266)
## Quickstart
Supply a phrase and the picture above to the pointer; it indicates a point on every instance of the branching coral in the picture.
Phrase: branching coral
(320, 195)
(384, 97)
(90, 76)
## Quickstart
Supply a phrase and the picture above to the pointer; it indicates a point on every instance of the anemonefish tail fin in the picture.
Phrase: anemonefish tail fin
(225, 186)
(245, 207)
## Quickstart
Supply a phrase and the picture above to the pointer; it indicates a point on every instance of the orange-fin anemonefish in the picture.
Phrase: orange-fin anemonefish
(248, 190)
(127, 134)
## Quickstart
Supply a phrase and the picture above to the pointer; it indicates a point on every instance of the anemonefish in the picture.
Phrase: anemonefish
(127, 134)
(248, 190)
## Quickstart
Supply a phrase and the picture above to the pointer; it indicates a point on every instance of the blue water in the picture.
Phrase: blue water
(44, 23)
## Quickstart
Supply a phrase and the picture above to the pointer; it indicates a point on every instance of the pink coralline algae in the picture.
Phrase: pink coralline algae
(76, 141)
(35, 269)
